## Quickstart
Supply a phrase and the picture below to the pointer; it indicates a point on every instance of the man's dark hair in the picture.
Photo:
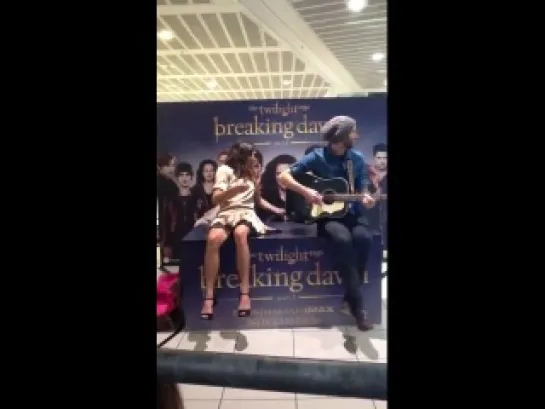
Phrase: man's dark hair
(311, 148)
(379, 147)
(183, 167)
(338, 128)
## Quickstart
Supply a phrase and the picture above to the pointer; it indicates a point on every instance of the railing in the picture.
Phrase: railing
(317, 377)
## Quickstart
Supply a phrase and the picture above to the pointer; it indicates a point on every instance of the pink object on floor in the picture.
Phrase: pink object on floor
(166, 294)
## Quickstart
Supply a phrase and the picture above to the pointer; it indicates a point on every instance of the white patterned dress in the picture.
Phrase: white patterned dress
(241, 207)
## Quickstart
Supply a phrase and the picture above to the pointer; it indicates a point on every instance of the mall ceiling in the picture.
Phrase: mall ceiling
(267, 49)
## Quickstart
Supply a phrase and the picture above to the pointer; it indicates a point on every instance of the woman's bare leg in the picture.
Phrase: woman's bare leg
(216, 237)
(240, 235)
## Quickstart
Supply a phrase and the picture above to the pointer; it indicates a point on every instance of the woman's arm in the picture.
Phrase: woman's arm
(269, 207)
(219, 196)
(223, 190)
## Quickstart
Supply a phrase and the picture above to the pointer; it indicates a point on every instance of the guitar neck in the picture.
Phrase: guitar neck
(346, 197)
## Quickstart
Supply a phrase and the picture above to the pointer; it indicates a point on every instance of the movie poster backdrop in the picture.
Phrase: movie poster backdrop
(197, 132)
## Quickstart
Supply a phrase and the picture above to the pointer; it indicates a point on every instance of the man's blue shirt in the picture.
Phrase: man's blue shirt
(324, 164)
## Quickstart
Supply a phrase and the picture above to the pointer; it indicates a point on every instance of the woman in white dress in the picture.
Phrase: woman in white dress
(236, 192)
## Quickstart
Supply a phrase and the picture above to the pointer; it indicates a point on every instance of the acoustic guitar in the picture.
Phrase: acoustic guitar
(335, 196)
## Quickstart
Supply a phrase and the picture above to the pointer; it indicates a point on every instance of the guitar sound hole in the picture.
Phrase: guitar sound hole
(328, 199)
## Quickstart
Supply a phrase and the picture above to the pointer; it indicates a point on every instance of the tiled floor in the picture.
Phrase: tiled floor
(342, 343)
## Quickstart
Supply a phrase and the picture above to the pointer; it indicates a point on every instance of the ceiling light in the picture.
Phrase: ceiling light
(356, 5)
(211, 84)
(286, 82)
(377, 57)
(165, 35)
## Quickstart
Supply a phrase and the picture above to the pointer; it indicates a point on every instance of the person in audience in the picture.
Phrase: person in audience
(202, 191)
(169, 396)
(186, 202)
(167, 200)
(236, 191)
(350, 237)
(273, 190)
(222, 157)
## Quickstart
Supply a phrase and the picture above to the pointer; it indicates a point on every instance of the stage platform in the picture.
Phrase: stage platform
(294, 283)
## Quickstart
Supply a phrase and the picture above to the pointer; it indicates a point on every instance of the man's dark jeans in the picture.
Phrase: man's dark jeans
(351, 241)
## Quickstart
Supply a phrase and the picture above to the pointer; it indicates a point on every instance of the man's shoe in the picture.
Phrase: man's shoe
(363, 325)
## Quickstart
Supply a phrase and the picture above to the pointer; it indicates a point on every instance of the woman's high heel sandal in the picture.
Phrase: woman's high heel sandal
(209, 316)
(244, 312)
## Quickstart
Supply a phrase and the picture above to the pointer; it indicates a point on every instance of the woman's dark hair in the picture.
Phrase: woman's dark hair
(268, 179)
(238, 156)
(168, 396)
(200, 169)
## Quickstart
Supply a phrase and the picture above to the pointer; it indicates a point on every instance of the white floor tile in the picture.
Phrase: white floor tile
(161, 336)
(216, 341)
(370, 345)
(340, 329)
(251, 394)
(175, 341)
(200, 392)
(324, 345)
(257, 404)
(372, 350)
(265, 342)
(335, 402)
(201, 404)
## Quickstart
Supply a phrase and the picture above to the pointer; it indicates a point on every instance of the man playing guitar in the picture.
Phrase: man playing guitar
(350, 236)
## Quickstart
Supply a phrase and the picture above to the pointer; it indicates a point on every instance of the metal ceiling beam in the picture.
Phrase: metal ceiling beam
(177, 10)
(237, 91)
(209, 51)
(233, 75)
(279, 19)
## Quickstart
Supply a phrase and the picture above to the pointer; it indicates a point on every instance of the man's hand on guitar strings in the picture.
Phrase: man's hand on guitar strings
(368, 200)
(313, 197)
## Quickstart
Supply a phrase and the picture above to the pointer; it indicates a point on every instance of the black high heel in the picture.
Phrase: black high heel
(244, 312)
(209, 316)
